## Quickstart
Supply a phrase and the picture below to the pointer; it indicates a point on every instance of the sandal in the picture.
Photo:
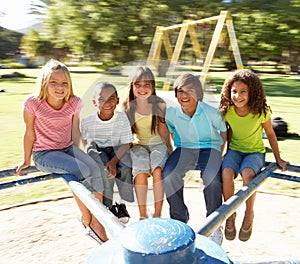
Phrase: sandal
(90, 232)
(230, 230)
(245, 233)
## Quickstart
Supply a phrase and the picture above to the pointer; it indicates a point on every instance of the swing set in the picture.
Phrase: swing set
(162, 38)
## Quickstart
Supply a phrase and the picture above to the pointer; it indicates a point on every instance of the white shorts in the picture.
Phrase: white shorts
(146, 158)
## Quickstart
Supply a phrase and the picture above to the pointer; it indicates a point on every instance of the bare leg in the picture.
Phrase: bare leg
(86, 214)
(89, 219)
(228, 188)
(158, 191)
(228, 191)
(141, 189)
(248, 175)
(95, 224)
(246, 228)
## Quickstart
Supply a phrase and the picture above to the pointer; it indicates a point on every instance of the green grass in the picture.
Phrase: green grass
(35, 191)
(283, 95)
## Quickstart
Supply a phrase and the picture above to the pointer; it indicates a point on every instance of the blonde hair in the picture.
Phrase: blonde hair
(43, 79)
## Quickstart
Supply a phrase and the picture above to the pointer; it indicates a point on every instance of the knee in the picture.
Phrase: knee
(228, 175)
(248, 175)
(83, 172)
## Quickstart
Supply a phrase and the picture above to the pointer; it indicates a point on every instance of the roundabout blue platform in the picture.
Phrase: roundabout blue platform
(158, 240)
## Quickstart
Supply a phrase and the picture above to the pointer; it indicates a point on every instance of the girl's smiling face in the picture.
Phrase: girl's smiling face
(58, 86)
(142, 89)
(240, 94)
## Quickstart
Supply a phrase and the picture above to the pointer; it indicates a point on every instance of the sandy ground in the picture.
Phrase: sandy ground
(49, 232)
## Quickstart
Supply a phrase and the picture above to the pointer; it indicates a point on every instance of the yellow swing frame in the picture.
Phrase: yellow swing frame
(161, 37)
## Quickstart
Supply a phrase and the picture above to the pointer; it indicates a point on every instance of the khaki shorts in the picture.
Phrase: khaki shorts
(146, 158)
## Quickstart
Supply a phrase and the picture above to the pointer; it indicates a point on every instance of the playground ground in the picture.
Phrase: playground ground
(48, 231)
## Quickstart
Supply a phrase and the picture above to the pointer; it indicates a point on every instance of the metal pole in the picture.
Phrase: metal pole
(215, 219)
(107, 219)
(282, 176)
(12, 171)
(23, 180)
(289, 167)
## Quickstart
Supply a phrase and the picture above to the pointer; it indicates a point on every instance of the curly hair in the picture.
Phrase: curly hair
(129, 104)
(257, 97)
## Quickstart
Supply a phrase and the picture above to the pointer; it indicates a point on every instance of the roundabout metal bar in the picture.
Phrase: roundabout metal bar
(215, 219)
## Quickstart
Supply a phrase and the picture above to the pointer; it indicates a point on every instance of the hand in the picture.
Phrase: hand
(282, 163)
(112, 170)
(20, 167)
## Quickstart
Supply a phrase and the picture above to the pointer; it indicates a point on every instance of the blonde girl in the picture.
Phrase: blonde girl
(52, 137)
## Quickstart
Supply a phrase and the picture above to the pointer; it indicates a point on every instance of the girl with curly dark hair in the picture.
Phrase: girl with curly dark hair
(245, 110)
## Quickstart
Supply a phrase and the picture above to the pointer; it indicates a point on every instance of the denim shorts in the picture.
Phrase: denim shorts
(238, 161)
(146, 158)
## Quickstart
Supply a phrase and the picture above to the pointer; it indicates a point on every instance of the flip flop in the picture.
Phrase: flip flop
(91, 233)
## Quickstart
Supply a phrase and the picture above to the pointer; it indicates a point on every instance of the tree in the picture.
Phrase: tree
(9, 43)
(123, 30)
(269, 29)
(91, 28)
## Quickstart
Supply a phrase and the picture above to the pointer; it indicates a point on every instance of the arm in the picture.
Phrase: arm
(112, 164)
(165, 135)
(225, 141)
(163, 128)
(28, 140)
(274, 144)
(76, 135)
(84, 142)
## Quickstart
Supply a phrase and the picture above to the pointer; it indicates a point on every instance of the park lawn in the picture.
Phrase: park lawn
(283, 95)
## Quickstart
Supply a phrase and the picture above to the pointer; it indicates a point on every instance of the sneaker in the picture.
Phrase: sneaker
(123, 214)
(120, 211)
(217, 236)
(113, 208)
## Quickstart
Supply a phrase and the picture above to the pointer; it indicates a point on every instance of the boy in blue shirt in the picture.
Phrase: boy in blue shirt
(199, 133)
